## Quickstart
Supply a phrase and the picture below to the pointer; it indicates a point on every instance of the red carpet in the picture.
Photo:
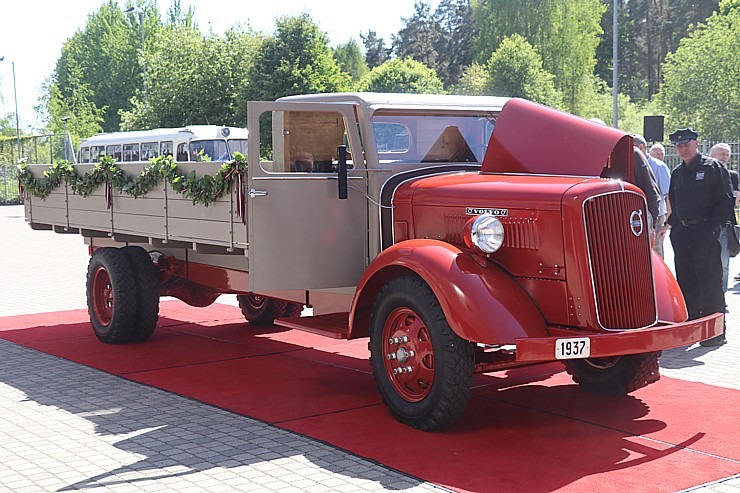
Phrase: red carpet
(526, 430)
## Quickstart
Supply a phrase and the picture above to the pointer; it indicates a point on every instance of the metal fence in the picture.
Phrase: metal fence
(37, 149)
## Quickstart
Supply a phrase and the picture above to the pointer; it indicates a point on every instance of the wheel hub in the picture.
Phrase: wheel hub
(408, 354)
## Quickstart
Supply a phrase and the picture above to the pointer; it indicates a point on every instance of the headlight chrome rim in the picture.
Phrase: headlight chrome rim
(485, 234)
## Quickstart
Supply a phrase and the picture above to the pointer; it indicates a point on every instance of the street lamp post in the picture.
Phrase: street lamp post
(66, 137)
(17, 120)
(137, 10)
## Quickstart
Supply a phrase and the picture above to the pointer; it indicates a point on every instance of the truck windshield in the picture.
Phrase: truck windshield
(437, 138)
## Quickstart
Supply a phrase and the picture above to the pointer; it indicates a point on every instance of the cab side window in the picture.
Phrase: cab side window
(306, 141)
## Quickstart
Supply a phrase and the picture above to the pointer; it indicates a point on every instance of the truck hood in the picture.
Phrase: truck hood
(466, 189)
(531, 138)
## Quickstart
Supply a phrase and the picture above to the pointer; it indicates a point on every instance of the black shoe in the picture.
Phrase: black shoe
(714, 341)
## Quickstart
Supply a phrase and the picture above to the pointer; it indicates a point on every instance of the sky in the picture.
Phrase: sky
(33, 31)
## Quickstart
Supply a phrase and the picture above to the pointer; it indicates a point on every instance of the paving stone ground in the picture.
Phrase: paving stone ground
(68, 427)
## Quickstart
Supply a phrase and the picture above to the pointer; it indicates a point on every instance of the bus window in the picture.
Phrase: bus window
(130, 152)
(96, 152)
(85, 155)
(182, 153)
(114, 152)
(148, 151)
(237, 145)
(165, 148)
(208, 150)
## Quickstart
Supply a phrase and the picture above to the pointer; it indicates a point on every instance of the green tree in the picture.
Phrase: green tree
(417, 38)
(565, 33)
(515, 70)
(350, 59)
(474, 81)
(375, 51)
(454, 42)
(194, 79)
(404, 76)
(106, 56)
(297, 60)
(701, 78)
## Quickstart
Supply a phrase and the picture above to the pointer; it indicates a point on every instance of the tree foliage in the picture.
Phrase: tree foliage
(417, 38)
(297, 60)
(565, 32)
(194, 79)
(404, 76)
(375, 50)
(350, 59)
(454, 44)
(105, 58)
(515, 70)
(701, 77)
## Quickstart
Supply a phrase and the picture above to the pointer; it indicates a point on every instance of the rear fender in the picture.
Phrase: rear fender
(481, 302)
(671, 304)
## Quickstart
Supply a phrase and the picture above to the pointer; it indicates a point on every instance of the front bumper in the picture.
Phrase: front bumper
(656, 338)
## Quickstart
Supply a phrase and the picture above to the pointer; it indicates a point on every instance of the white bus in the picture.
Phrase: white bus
(193, 143)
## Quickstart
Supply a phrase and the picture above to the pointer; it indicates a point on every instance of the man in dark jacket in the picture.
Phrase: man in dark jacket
(701, 201)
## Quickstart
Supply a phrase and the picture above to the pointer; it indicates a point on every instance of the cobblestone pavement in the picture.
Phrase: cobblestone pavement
(68, 427)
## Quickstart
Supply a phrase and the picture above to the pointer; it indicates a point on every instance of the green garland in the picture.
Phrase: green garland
(203, 190)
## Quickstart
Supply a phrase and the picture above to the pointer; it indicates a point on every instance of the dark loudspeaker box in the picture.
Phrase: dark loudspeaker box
(653, 128)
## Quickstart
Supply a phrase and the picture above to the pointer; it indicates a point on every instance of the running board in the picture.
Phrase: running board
(334, 325)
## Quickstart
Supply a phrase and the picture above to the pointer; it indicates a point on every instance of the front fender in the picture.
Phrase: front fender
(671, 304)
(481, 302)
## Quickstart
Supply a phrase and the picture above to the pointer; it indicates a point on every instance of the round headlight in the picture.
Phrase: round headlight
(484, 233)
(225, 132)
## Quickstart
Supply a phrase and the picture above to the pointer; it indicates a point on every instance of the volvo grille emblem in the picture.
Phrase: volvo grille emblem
(636, 224)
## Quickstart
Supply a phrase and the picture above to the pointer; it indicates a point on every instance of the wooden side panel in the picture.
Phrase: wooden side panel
(160, 214)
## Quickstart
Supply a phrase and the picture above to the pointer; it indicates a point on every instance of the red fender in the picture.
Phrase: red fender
(481, 302)
(671, 304)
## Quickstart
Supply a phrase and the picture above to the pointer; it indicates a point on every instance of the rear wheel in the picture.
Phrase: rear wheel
(111, 296)
(422, 368)
(147, 291)
(616, 375)
(261, 310)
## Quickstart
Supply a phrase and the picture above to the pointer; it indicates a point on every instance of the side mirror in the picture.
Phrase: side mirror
(342, 171)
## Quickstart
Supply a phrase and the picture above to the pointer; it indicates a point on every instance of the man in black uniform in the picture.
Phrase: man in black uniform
(701, 201)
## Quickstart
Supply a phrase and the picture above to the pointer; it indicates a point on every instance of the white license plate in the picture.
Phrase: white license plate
(571, 348)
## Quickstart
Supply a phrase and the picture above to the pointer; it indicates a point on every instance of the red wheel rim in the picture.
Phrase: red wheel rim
(408, 354)
(102, 295)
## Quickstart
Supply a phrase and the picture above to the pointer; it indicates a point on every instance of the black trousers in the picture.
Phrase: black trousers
(699, 268)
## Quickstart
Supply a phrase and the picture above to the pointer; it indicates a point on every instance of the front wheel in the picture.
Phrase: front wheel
(616, 375)
(261, 310)
(423, 370)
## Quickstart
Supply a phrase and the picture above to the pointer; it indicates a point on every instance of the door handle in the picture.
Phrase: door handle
(257, 193)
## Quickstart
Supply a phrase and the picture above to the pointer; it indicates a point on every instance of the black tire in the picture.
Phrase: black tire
(259, 310)
(428, 388)
(147, 292)
(618, 375)
(111, 296)
(293, 310)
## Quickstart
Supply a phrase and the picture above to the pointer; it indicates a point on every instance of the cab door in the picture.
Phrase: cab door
(301, 234)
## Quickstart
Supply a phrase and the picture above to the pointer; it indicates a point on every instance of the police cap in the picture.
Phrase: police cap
(683, 135)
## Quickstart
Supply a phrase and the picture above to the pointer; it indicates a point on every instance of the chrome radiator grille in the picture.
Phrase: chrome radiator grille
(621, 266)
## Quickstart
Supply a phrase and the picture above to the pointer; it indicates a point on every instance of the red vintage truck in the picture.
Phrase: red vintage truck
(458, 234)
